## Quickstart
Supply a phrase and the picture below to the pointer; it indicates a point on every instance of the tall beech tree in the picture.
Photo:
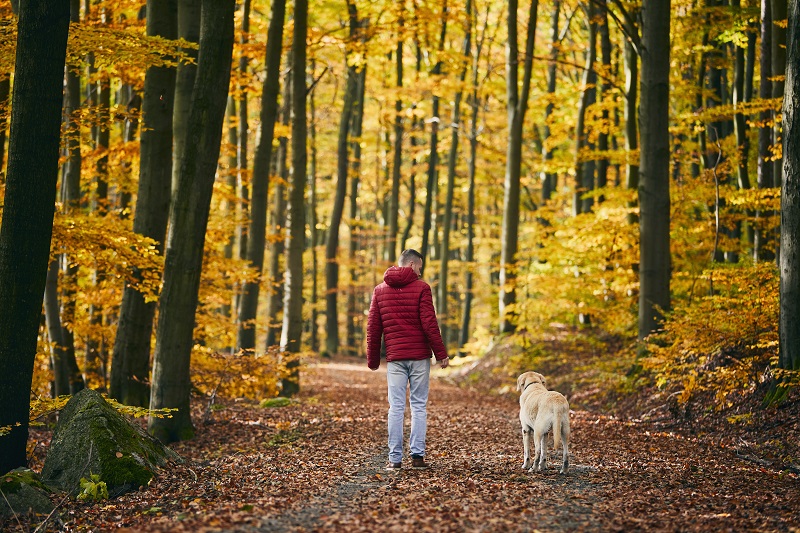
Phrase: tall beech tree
(295, 239)
(188, 27)
(28, 209)
(789, 328)
(257, 228)
(130, 367)
(517, 105)
(654, 201)
(452, 157)
(342, 167)
(188, 221)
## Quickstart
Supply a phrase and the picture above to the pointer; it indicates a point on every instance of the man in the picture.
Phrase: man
(402, 313)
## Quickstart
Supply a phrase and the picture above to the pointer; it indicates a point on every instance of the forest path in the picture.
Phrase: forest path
(623, 476)
(318, 465)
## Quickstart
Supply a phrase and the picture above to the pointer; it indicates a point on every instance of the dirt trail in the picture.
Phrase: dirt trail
(624, 476)
(318, 465)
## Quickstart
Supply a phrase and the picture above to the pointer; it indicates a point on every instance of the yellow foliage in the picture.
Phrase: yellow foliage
(720, 343)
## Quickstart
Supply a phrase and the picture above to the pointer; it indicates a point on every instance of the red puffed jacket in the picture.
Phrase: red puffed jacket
(402, 312)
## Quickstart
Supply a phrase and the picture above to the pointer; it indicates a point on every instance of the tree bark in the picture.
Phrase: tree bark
(130, 367)
(761, 251)
(789, 327)
(257, 229)
(28, 209)
(397, 161)
(517, 105)
(188, 26)
(188, 221)
(355, 171)
(654, 201)
(584, 170)
(342, 166)
(275, 302)
(295, 240)
(605, 59)
(452, 157)
(548, 179)
(779, 63)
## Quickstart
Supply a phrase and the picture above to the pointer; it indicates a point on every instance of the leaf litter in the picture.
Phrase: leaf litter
(317, 464)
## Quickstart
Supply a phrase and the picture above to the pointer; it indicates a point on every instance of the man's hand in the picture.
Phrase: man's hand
(444, 362)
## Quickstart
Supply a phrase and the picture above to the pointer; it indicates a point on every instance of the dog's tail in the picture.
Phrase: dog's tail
(556, 429)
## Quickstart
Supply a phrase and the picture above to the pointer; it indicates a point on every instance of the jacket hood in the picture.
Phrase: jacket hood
(397, 276)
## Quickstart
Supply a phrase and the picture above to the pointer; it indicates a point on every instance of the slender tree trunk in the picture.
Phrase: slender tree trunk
(353, 246)
(342, 165)
(452, 157)
(584, 170)
(295, 240)
(394, 201)
(229, 207)
(631, 131)
(313, 338)
(549, 178)
(778, 61)
(605, 58)
(257, 229)
(28, 209)
(517, 105)
(72, 202)
(130, 367)
(275, 302)
(761, 251)
(789, 327)
(188, 221)
(654, 202)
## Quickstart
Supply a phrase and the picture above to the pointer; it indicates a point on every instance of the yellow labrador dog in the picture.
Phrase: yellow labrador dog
(540, 411)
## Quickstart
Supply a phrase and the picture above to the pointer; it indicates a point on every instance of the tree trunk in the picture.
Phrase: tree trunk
(761, 251)
(584, 170)
(188, 221)
(275, 302)
(188, 21)
(394, 199)
(353, 246)
(28, 209)
(549, 178)
(517, 105)
(654, 201)
(629, 116)
(452, 157)
(313, 338)
(257, 229)
(605, 87)
(778, 61)
(130, 367)
(342, 165)
(295, 240)
(789, 327)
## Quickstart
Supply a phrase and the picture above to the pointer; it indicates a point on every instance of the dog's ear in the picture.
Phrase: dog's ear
(520, 381)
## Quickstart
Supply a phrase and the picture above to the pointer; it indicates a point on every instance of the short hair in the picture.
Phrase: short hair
(408, 257)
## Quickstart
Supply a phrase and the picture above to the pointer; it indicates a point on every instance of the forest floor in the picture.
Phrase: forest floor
(318, 465)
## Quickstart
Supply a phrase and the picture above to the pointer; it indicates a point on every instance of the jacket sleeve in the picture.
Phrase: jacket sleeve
(427, 315)
(374, 333)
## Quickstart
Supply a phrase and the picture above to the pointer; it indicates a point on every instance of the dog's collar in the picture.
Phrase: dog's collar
(527, 385)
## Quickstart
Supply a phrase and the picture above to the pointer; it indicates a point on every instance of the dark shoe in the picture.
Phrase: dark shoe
(418, 462)
(394, 466)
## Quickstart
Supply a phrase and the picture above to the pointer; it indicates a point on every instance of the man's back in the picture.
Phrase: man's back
(402, 312)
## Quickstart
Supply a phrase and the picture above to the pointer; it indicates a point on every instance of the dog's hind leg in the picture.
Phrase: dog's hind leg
(540, 439)
(526, 446)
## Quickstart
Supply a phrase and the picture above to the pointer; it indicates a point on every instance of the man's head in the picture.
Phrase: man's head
(411, 258)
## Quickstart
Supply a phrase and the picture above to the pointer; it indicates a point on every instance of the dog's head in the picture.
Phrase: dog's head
(529, 378)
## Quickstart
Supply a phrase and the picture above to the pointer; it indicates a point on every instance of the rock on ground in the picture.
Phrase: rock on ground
(93, 438)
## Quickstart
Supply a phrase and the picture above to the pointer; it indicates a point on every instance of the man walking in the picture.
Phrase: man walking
(402, 313)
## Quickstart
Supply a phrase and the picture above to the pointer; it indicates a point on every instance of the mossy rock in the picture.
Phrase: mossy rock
(280, 401)
(91, 437)
(24, 493)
